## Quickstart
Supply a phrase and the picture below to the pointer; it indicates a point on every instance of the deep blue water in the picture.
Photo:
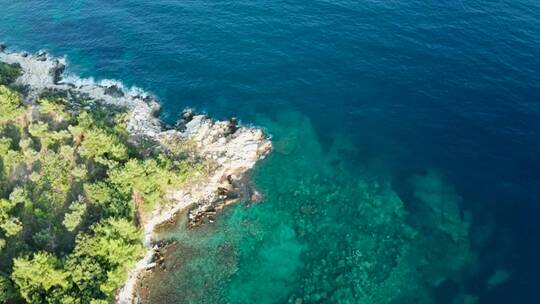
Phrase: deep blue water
(392, 88)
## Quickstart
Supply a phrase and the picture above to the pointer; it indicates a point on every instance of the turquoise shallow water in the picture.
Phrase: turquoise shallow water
(406, 136)
(325, 234)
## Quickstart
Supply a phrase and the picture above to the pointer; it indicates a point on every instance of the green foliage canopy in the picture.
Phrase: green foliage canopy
(8, 73)
(70, 184)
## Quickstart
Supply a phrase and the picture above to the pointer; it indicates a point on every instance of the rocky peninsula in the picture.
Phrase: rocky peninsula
(227, 149)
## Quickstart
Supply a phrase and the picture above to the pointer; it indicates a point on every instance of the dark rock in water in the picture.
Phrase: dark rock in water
(180, 126)
(187, 115)
(24, 54)
(148, 98)
(223, 191)
(41, 56)
(58, 71)
(155, 108)
(233, 125)
(2, 47)
(114, 91)
(162, 243)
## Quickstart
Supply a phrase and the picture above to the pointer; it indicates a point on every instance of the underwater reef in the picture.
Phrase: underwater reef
(323, 238)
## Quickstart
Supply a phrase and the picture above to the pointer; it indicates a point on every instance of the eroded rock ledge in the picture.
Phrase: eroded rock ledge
(232, 149)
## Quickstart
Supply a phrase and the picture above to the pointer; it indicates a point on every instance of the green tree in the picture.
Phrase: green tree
(47, 138)
(9, 73)
(75, 216)
(11, 226)
(103, 148)
(37, 276)
(10, 105)
(109, 200)
(7, 291)
(55, 109)
(101, 259)
(149, 179)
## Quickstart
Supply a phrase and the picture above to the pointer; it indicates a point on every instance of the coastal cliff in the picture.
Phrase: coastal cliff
(227, 149)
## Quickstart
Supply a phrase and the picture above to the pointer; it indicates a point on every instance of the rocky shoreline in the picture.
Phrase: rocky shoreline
(232, 149)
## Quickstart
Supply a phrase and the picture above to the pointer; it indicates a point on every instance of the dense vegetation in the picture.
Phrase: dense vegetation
(71, 189)
(8, 73)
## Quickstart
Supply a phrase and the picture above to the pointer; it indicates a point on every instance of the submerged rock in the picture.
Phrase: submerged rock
(499, 277)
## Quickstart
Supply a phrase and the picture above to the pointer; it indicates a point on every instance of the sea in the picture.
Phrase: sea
(406, 161)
